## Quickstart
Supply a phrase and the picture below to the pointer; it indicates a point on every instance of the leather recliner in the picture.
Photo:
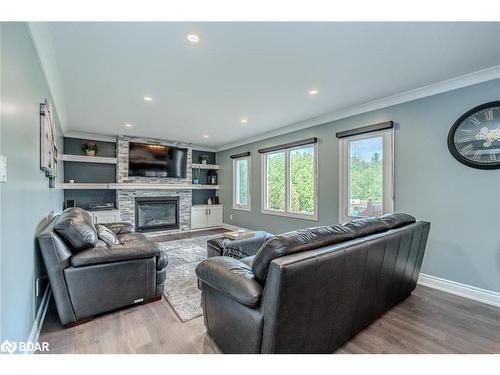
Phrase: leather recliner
(311, 290)
(88, 277)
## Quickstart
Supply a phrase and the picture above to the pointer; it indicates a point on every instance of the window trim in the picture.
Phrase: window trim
(237, 206)
(287, 212)
(388, 172)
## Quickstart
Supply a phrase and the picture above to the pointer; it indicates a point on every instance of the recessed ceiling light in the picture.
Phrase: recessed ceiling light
(244, 121)
(205, 135)
(148, 98)
(193, 37)
(129, 125)
(313, 92)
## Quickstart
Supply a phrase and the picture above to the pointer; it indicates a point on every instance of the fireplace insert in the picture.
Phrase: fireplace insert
(158, 213)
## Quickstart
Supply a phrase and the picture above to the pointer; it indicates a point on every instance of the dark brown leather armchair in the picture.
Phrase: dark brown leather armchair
(88, 277)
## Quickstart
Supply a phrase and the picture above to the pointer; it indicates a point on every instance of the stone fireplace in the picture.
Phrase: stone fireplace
(126, 198)
(156, 214)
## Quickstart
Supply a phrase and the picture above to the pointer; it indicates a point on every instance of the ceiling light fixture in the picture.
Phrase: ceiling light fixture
(148, 98)
(244, 121)
(205, 135)
(193, 37)
(313, 92)
(129, 125)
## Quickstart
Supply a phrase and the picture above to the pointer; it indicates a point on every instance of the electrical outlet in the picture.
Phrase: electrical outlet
(3, 168)
(230, 217)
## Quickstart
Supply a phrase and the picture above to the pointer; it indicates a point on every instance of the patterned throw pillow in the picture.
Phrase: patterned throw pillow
(107, 235)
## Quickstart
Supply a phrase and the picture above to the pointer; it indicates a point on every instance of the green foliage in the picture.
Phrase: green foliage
(302, 181)
(366, 179)
(276, 181)
(243, 179)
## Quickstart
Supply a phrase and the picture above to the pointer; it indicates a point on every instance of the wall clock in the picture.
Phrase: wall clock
(474, 139)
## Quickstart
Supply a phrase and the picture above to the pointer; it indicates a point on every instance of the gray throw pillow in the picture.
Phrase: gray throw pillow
(107, 235)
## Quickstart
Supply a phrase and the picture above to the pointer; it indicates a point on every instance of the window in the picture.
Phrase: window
(366, 175)
(241, 183)
(289, 183)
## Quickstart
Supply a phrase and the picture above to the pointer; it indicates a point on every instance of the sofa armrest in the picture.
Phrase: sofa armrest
(120, 228)
(245, 247)
(231, 278)
(116, 253)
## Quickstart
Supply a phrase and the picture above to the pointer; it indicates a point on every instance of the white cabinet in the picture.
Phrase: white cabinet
(205, 215)
(214, 216)
(107, 216)
(199, 216)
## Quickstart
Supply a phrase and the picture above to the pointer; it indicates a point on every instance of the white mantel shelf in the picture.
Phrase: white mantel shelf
(134, 186)
(204, 166)
(88, 159)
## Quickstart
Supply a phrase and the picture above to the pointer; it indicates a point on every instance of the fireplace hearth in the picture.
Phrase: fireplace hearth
(156, 213)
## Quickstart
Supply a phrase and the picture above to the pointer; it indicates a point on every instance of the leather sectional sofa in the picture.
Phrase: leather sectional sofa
(311, 290)
(88, 277)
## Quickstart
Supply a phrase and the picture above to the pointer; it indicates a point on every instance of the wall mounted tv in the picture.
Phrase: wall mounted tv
(153, 160)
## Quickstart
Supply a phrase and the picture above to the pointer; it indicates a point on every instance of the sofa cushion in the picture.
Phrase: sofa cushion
(294, 242)
(366, 226)
(120, 227)
(397, 220)
(137, 248)
(313, 238)
(142, 241)
(107, 235)
(76, 227)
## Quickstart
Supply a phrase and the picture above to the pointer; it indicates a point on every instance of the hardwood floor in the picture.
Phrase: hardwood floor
(429, 321)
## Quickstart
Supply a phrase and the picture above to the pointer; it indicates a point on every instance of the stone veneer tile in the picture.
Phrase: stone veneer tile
(125, 199)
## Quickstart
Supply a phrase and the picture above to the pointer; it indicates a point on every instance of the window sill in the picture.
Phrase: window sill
(239, 208)
(290, 215)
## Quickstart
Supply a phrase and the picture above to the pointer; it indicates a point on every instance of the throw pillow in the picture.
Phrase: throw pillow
(107, 235)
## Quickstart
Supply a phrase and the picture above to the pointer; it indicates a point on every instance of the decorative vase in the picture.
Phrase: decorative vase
(90, 152)
(203, 161)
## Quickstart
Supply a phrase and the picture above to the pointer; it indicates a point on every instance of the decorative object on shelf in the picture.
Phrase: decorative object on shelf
(89, 148)
(212, 177)
(203, 158)
(196, 176)
(48, 149)
(70, 203)
(215, 199)
(474, 139)
(209, 201)
(71, 181)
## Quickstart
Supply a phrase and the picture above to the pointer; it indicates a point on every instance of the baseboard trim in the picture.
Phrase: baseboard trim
(230, 227)
(463, 290)
(39, 319)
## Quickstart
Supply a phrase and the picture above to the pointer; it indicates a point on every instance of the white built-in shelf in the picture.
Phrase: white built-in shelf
(84, 186)
(133, 186)
(89, 159)
(205, 166)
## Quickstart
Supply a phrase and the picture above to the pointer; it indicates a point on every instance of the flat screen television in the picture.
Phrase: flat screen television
(152, 160)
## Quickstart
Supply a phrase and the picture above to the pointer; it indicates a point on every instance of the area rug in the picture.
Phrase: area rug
(181, 288)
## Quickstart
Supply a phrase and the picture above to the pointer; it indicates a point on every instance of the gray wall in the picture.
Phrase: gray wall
(26, 200)
(462, 203)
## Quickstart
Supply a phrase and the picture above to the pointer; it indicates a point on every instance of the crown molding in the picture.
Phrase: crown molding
(480, 76)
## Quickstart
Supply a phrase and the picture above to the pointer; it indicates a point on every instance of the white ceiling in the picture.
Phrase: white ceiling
(259, 71)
